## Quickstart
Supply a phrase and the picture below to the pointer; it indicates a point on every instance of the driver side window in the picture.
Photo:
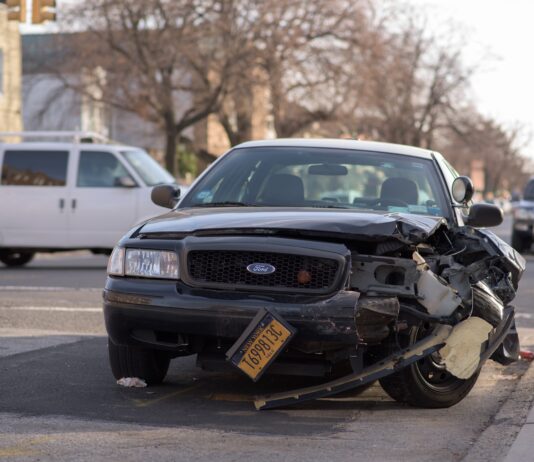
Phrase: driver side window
(98, 169)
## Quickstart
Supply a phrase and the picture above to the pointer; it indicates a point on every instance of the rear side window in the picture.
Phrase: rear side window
(35, 168)
(100, 170)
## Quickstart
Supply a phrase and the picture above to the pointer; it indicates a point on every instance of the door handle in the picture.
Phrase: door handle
(73, 204)
(61, 204)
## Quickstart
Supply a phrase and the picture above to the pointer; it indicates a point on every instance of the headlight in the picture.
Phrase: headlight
(116, 262)
(161, 264)
(151, 264)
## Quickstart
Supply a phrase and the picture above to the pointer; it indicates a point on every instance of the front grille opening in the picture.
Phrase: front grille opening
(224, 267)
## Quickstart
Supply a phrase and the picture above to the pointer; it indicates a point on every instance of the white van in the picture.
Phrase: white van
(72, 195)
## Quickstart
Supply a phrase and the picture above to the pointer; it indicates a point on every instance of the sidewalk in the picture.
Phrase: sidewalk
(509, 436)
(522, 449)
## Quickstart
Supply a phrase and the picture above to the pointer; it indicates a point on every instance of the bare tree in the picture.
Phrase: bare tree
(167, 61)
(480, 138)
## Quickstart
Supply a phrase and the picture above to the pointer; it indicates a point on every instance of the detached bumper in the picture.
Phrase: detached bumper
(131, 305)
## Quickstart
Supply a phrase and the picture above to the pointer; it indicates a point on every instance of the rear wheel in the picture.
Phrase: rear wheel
(128, 361)
(520, 242)
(14, 258)
(426, 383)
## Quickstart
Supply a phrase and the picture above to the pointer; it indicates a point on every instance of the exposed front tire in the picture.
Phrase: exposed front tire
(146, 364)
(426, 383)
(15, 258)
(520, 242)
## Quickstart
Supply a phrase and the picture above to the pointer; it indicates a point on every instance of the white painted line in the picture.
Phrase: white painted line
(524, 315)
(53, 308)
(48, 288)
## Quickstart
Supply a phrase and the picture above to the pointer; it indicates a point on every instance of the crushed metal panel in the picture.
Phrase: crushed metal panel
(461, 354)
(374, 316)
(383, 275)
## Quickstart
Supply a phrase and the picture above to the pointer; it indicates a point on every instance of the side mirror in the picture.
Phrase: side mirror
(165, 195)
(125, 182)
(462, 189)
(484, 216)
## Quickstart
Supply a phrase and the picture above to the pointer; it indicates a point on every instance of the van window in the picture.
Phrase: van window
(35, 168)
(100, 170)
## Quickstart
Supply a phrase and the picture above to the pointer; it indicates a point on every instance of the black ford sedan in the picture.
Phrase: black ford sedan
(354, 261)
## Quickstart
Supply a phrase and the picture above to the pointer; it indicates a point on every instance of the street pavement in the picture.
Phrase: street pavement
(59, 400)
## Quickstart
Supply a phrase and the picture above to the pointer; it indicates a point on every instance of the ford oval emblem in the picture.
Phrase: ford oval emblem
(261, 268)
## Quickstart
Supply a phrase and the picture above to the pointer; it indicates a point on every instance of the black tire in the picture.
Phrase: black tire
(425, 383)
(14, 258)
(519, 242)
(146, 364)
(508, 351)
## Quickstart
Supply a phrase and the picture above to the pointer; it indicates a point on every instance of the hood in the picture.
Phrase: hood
(525, 204)
(332, 222)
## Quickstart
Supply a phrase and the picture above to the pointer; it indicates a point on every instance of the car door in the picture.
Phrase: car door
(33, 197)
(103, 205)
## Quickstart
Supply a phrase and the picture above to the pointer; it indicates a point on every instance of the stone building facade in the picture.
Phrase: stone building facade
(10, 74)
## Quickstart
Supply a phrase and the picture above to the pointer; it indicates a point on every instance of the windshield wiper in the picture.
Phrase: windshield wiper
(224, 204)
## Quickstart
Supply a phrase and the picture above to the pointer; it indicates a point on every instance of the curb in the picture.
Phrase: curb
(498, 442)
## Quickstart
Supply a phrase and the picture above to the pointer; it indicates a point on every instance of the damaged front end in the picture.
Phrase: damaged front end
(433, 306)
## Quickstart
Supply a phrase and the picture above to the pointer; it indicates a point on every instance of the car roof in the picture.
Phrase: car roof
(48, 145)
(359, 145)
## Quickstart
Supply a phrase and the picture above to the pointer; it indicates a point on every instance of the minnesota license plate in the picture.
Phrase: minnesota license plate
(261, 342)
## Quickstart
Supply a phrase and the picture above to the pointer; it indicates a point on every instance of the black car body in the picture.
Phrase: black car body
(382, 278)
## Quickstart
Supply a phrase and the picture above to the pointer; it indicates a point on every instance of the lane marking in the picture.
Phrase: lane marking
(523, 315)
(24, 448)
(235, 398)
(49, 288)
(150, 402)
(52, 308)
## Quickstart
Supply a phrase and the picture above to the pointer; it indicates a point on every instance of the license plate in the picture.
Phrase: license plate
(261, 342)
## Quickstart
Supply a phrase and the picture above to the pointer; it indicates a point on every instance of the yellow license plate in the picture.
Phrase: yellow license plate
(260, 344)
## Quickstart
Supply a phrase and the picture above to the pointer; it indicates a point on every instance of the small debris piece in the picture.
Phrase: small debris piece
(131, 382)
(527, 355)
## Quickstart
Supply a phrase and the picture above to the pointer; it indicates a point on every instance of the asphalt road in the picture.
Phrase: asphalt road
(59, 401)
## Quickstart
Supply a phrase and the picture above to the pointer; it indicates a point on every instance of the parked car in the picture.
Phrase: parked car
(259, 267)
(70, 195)
(523, 219)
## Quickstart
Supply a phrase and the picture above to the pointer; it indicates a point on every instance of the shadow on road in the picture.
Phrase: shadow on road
(75, 380)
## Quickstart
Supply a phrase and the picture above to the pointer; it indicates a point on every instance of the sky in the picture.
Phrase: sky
(501, 34)
(499, 38)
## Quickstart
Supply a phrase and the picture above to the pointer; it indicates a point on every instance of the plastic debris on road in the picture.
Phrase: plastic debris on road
(526, 355)
(131, 382)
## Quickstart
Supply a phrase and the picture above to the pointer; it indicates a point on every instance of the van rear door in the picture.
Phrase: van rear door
(33, 197)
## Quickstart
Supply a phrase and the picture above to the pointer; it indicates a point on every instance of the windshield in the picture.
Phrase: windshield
(321, 178)
(529, 191)
(148, 169)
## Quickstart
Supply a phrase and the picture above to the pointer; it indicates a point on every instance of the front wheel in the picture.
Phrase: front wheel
(520, 242)
(426, 383)
(14, 258)
(128, 361)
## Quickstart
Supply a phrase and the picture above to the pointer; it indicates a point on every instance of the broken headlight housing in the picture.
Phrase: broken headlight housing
(159, 264)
